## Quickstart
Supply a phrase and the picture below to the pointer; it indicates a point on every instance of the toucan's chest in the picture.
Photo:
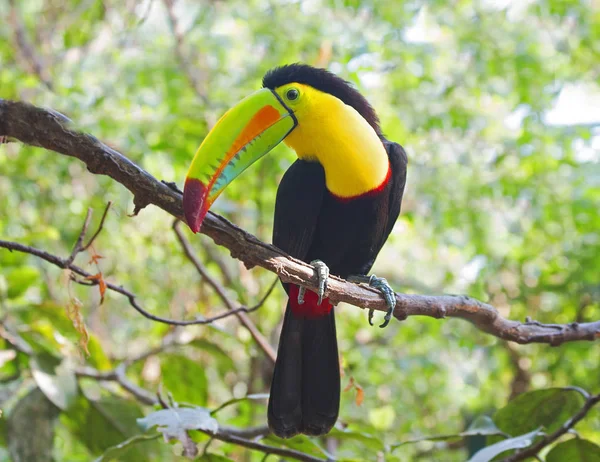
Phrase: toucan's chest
(350, 232)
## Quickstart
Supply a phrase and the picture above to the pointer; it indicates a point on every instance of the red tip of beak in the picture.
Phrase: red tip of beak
(195, 206)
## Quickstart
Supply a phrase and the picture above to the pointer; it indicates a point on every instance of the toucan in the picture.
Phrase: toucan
(335, 208)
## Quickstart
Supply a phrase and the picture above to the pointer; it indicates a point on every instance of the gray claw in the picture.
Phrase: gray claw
(322, 273)
(301, 293)
(388, 294)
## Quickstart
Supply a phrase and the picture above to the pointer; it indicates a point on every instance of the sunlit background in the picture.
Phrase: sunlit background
(497, 104)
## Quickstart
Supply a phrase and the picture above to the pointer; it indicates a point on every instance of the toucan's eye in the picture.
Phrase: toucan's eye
(292, 94)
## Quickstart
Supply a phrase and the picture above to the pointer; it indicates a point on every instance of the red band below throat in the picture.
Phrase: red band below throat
(372, 192)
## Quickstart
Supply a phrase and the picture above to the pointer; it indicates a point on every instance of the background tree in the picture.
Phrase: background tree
(497, 104)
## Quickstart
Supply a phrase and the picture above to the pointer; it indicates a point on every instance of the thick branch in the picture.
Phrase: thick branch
(48, 129)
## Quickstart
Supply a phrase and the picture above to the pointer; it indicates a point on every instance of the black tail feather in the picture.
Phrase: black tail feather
(320, 375)
(285, 400)
(305, 391)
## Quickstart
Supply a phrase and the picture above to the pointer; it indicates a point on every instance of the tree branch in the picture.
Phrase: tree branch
(49, 129)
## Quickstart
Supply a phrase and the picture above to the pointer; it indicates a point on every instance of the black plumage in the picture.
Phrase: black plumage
(311, 223)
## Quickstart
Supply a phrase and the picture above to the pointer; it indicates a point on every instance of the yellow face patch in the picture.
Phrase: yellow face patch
(338, 137)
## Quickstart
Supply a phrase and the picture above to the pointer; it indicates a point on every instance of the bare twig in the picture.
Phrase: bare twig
(531, 451)
(283, 452)
(258, 337)
(62, 263)
(78, 247)
(187, 68)
(26, 49)
(100, 227)
(118, 375)
(212, 253)
(45, 128)
(522, 378)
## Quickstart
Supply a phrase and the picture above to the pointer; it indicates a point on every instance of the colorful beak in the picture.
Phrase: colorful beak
(243, 135)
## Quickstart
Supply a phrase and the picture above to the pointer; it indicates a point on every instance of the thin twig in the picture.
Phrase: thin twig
(118, 375)
(212, 253)
(78, 247)
(48, 129)
(100, 227)
(186, 67)
(283, 452)
(532, 451)
(26, 49)
(62, 263)
(258, 337)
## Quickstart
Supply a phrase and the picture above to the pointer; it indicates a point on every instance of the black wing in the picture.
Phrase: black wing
(398, 163)
(297, 207)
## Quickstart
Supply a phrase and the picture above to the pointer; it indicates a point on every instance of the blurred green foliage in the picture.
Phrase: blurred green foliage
(502, 204)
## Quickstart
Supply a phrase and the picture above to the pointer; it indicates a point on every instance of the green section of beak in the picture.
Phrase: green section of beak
(243, 135)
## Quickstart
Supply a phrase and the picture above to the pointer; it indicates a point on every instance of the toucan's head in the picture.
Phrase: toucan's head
(294, 99)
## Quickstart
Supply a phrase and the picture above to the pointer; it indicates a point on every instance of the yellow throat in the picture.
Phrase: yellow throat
(340, 139)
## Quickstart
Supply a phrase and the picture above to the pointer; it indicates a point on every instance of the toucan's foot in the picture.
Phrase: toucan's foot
(388, 294)
(322, 273)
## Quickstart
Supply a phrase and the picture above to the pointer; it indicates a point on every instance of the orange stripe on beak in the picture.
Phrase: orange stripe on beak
(196, 200)
(262, 120)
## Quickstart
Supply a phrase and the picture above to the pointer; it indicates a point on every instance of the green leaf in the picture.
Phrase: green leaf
(97, 358)
(9, 364)
(575, 450)
(56, 380)
(105, 422)
(117, 451)
(369, 441)
(300, 443)
(174, 422)
(20, 279)
(548, 408)
(481, 426)
(383, 417)
(519, 442)
(224, 360)
(184, 378)
(48, 313)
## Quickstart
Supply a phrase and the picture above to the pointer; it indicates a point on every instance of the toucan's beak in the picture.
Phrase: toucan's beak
(243, 135)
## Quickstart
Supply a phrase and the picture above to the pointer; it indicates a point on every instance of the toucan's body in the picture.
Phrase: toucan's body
(346, 234)
(337, 203)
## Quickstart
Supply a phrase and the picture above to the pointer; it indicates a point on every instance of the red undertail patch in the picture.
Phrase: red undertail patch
(309, 309)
